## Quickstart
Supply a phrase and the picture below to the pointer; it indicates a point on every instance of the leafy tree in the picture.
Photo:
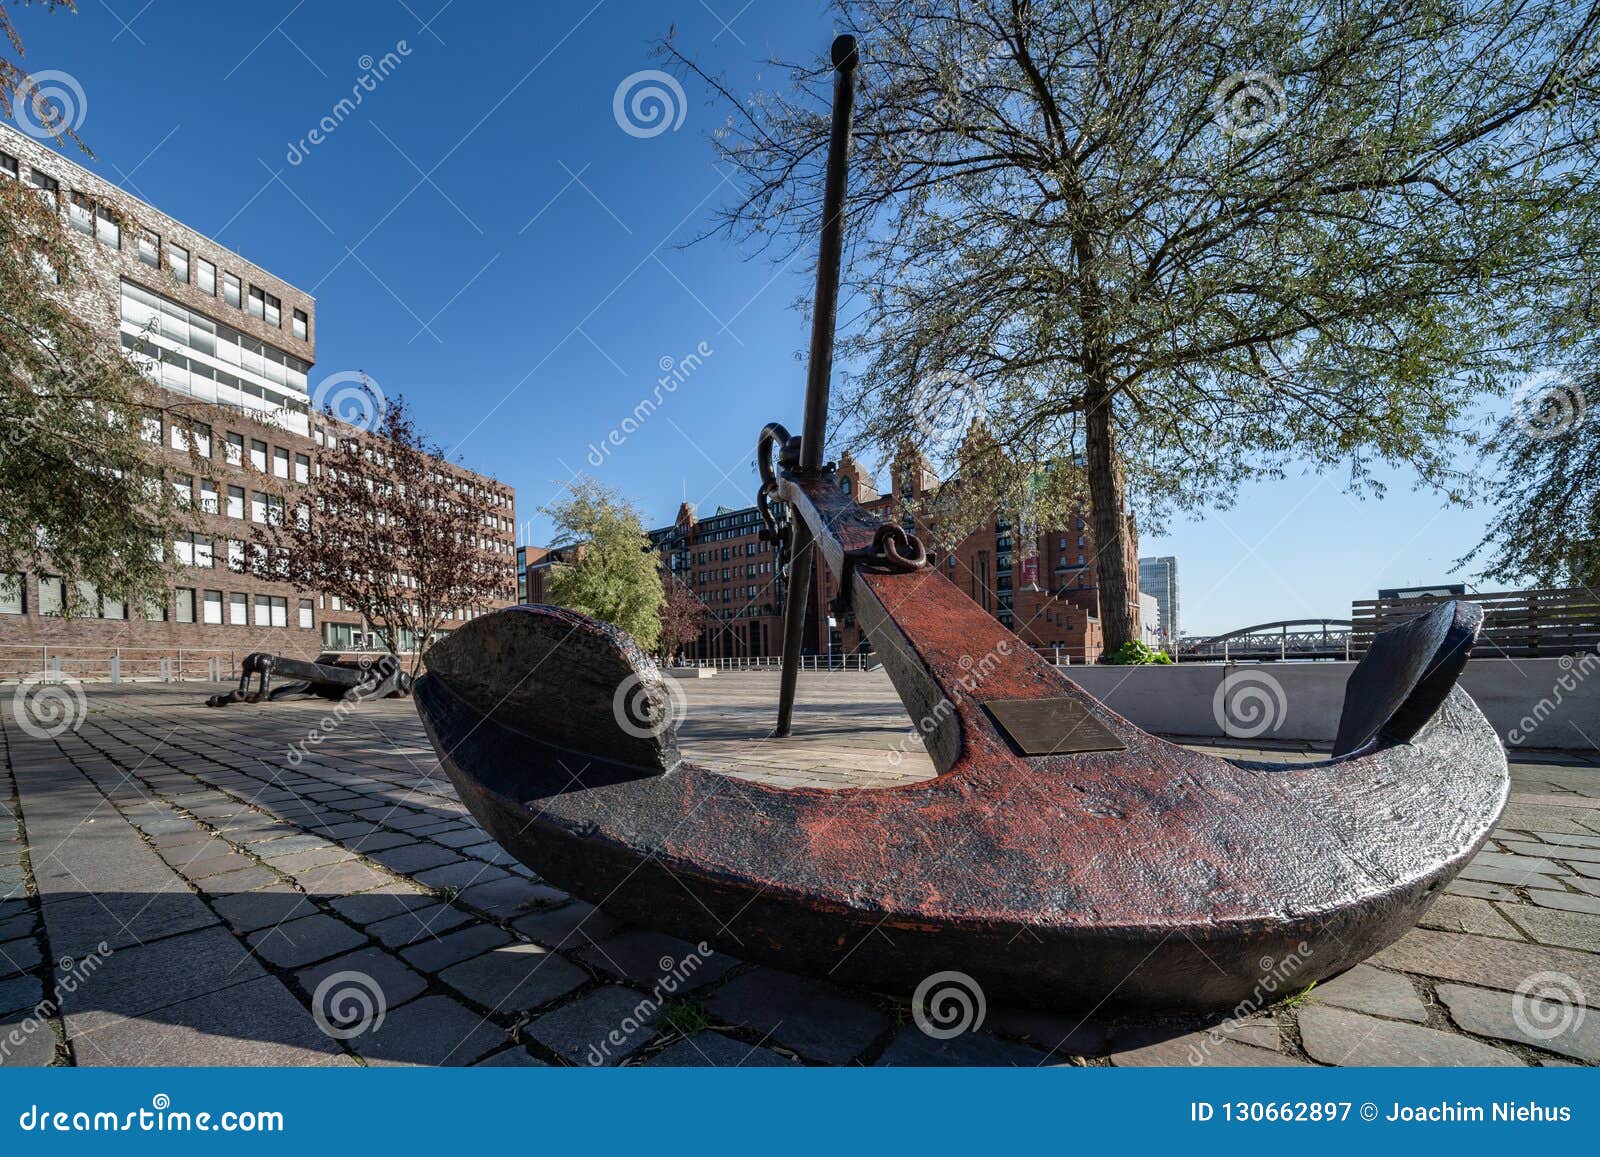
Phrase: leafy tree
(1190, 245)
(683, 616)
(614, 578)
(389, 529)
(80, 471)
(1547, 528)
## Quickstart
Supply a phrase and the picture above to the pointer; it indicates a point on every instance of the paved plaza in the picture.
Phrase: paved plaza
(186, 886)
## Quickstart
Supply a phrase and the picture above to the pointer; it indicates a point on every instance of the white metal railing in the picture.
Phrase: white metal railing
(88, 663)
(842, 662)
(851, 662)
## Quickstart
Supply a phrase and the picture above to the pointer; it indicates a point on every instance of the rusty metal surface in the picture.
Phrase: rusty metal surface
(1153, 876)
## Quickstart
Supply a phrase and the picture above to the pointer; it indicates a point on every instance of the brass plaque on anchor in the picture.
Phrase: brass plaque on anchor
(1057, 726)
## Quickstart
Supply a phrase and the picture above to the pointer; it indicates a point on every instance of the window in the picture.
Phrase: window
(258, 302)
(11, 594)
(230, 289)
(238, 610)
(302, 468)
(235, 502)
(339, 636)
(195, 550)
(274, 311)
(258, 506)
(208, 496)
(178, 259)
(280, 462)
(88, 600)
(258, 455)
(205, 277)
(80, 213)
(113, 608)
(213, 607)
(150, 249)
(233, 450)
(302, 325)
(183, 489)
(272, 611)
(155, 610)
(201, 433)
(47, 185)
(52, 595)
(8, 165)
(107, 230)
(185, 601)
(307, 620)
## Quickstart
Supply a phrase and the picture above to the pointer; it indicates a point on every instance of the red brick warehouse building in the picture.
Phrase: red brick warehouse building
(723, 561)
(236, 345)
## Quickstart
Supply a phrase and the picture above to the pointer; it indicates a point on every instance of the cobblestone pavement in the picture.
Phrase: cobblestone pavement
(178, 889)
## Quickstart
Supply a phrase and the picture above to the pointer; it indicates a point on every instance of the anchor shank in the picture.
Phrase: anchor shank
(829, 256)
(820, 366)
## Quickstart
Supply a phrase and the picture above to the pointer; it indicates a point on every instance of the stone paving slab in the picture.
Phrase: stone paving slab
(1336, 1036)
(231, 886)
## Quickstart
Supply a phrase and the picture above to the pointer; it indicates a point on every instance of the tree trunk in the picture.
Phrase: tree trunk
(1107, 494)
(1107, 503)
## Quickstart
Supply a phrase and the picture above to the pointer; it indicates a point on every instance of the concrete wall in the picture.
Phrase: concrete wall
(1531, 702)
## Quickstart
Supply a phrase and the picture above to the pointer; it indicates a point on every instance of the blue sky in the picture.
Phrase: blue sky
(483, 237)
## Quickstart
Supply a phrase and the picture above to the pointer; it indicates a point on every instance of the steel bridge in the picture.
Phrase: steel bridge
(1288, 639)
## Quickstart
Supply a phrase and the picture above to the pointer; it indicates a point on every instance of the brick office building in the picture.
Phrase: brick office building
(235, 345)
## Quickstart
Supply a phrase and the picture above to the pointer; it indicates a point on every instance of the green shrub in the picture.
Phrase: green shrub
(1133, 653)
